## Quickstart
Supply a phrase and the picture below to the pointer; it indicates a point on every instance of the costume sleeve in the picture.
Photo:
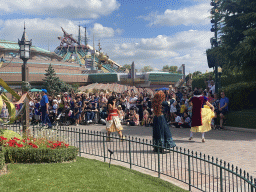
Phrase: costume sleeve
(205, 99)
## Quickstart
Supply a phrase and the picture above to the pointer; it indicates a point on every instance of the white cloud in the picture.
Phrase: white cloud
(100, 31)
(60, 8)
(197, 14)
(41, 31)
(187, 47)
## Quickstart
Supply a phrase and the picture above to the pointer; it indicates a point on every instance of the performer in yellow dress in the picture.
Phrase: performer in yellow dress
(202, 114)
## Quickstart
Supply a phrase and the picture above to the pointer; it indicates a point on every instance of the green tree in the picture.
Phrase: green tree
(166, 68)
(173, 69)
(196, 73)
(51, 81)
(237, 30)
(146, 69)
(53, 84)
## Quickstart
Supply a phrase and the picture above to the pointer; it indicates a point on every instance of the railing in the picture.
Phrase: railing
(195, 169)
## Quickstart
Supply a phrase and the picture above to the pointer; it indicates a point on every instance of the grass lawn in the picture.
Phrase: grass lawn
(82, 175)
(244, 119)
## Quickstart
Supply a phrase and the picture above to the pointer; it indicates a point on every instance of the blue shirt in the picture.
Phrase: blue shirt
(44, 100)
(223, 101)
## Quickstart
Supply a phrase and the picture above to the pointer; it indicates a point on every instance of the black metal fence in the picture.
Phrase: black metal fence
(195, 169)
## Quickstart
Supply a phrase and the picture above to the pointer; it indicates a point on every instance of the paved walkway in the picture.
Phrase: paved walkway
(235, 146)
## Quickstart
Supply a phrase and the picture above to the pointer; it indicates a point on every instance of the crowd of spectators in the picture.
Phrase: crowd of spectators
(135, 109)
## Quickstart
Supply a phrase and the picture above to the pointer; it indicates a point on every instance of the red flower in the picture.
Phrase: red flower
(66, 145)
(16, 138)
(19, 145)
(3, 138)
(34, 146)
(23, 140)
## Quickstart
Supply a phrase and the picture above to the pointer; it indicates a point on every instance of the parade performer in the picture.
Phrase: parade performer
(113, 121)
(202, 114)
(161, 132)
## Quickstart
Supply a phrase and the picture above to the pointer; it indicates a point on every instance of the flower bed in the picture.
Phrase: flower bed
(32, 150)
(2, 161)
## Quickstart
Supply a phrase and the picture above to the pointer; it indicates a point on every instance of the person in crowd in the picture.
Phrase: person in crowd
(173, 110)
(186, 121)
(223, 108)
(113, 121)
(201, 115)
(90, 113)
(212, 89)
(177, 120)
(183, 107)
(133, 119)
(37, 111)
(190, 106)
(121, 113)
(139, 105)
(161, 132)
(44, 103)
(215, 104)
(76, 114)
(145, 117)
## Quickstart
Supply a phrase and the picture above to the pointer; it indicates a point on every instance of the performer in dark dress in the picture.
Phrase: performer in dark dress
(161, 132)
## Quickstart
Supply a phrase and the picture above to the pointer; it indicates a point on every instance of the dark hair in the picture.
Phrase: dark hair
(110, 100)
(197, 92)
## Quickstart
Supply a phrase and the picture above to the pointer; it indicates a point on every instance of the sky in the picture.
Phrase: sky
(149, 32)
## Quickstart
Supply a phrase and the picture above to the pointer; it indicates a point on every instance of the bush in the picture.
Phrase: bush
(9, 134)
(39, 155)
(241, 95)
(2, 161)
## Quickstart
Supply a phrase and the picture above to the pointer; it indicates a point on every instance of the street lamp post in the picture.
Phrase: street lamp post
(220, 73)
(25, 45)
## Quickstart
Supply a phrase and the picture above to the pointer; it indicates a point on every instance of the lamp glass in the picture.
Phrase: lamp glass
(26, 47)
(22, 47)
(27, 54)
(219, 70)
(22, 54)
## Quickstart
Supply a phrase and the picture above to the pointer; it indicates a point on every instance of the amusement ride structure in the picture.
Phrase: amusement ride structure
(72, 50)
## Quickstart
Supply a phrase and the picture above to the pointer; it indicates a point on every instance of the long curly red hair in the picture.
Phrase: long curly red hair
(157, 100)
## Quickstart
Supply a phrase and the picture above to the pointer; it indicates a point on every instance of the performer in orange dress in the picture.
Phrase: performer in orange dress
(113, 120)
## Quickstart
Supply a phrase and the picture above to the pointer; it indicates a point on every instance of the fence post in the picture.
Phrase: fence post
(79, 141)
(130, 154)
(221, 183)
(104, 153)
(158, 158)
(189, 172)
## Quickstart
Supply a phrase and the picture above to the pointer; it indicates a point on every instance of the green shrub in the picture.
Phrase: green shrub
(2, 161)
(39, 155)
(241, 95)
(9, 134)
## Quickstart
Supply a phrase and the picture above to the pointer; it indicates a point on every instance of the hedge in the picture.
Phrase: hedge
(2, 161)
(241, 95)
(39, 155)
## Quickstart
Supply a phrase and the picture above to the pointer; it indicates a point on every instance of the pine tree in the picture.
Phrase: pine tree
(51, 81)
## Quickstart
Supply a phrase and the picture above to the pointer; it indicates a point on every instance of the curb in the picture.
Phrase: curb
(240, 129)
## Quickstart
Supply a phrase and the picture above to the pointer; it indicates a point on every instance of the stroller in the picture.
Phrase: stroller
(65, 118)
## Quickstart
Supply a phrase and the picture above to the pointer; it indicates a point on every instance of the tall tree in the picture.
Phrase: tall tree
(166, 68)
(237, 32)
(51, 81)
(146, 69)
(53, 84)
(173, 69)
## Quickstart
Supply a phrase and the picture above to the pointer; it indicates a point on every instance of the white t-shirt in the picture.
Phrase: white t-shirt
(213, 89)
(173, 108)
(178, 119)
(133, 101)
